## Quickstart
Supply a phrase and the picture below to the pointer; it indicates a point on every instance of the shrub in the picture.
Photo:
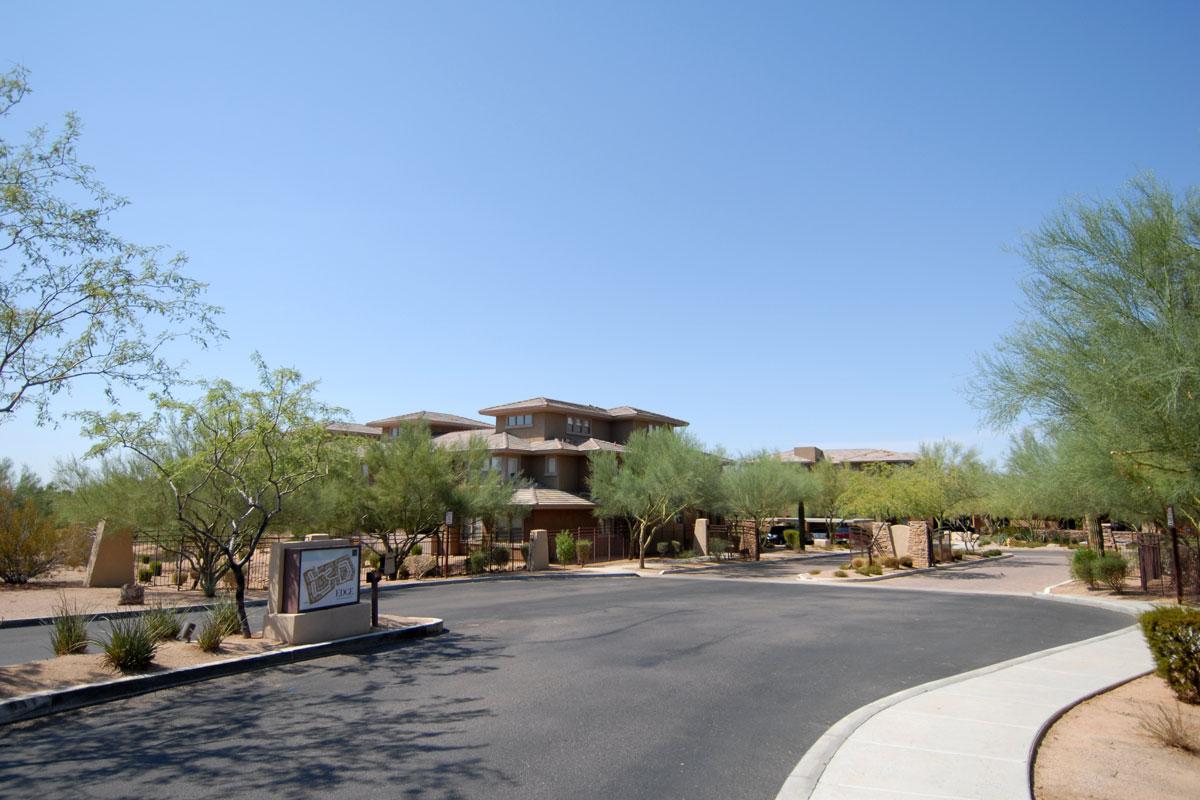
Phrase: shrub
(179, 578)
(145, 575)
(76, 545)
(663, 548)
(814, 572)
(145, 559)
(1083, 566)
(847, 565)
(1167, 724)
(689, 553)
(69, 633)
(717, 546)
(891, 562)
(858, 563)
(416, 550)
(1111, 570)
(420, 566)
(792, 538)
(226, 615)
(564, 548)
(499, 556)
(840, 573)
(477, 563)
(164, 623)
(30, 545)
(906, 561)
(131, 645)
(1173, 635)
(675, 546)
(875, 569)
(156, 568)
(992, 553)
(211, 634)
(583, 551)
(373, 559)
(524, 552)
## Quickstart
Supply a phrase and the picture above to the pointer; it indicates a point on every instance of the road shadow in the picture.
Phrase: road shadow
(370, 724)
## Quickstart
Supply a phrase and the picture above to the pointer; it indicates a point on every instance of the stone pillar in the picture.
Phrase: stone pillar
(539, 550)
(111, 562)
(702, 535)
(918, 542)
(882, 545)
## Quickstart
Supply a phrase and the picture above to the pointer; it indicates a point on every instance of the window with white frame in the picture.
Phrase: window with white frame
(498, 463)
(514, 466)
(520, 421)
(579, 425)
(551, 465)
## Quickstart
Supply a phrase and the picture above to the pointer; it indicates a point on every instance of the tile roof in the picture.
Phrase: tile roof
(864, 455)
(433, 418)
(507, 443)
(619, 412)
(350, 427)
(539, 497)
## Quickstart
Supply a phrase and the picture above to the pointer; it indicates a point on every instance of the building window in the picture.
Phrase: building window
(498, 463)
(551, 465)
(520, 421)
(579, 425)
(514, 466)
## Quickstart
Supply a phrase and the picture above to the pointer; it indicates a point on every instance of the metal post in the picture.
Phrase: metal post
(373, 578)
(1176, 567)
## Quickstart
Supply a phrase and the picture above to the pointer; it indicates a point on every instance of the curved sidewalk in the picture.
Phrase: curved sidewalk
(967, 737)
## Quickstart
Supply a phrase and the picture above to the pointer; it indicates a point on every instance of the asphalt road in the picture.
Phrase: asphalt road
(545, 688)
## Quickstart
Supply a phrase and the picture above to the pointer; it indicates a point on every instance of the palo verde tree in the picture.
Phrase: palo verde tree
(825, 484)
(660, 474)
(878, 491)
(77, 300)
(759, 487)
(248, 451)
(414, 482)
(1110, 346)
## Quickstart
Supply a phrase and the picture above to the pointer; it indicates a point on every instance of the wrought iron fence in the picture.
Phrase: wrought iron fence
(157, 563)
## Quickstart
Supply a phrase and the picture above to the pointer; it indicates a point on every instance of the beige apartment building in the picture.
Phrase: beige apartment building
(542, 440)
(851, 459)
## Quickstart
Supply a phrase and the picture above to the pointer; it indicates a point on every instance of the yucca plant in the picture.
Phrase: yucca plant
(225, 615)
(68, 633)
(131, 645)
(211, 634)
(164, 623)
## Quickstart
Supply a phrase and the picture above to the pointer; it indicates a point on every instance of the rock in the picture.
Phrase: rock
(132, 594)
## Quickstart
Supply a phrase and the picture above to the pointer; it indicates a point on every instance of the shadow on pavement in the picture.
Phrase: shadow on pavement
(222, 738)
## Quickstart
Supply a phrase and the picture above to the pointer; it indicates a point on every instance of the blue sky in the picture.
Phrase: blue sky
(784, 222)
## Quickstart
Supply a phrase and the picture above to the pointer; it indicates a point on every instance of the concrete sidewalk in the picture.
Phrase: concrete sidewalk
(971, 736)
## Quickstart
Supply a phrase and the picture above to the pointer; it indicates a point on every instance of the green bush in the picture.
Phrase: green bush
(1111, 570)
(477, 563)
(130, 646)
(689, 553)
(30, 544)
(583, 551)
(906, 561)
(416, 550)
(840, 573)
(792, 537)
(1083, 566)
(663, 548)
(156, 568)
(564, 548)
(179, 578)
(499, 556)
(226, 615)
(717, 546)
(992, 553)
(524, 552)
(212, 633)
(373, 559)
(145, 559)
(164, 623)
(69, 633)
(847, 565)
(676, 546)
(891, 562)
(145, 575)
(1173, 635)
(875, 569)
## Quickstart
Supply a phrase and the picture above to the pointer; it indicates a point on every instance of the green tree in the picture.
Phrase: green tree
(759, 487)
(825, 484)
(1108, 348)
(249, 451)
(77, 300)
(414, 482)
(661, 474)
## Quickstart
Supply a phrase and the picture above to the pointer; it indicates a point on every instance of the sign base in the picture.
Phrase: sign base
(318, 626)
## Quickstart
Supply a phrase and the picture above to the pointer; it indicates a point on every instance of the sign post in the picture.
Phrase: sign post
(1176, 567)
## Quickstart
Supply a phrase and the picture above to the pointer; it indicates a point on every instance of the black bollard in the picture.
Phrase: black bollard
(373, 578)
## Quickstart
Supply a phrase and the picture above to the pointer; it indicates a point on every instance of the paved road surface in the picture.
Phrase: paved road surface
(544, 688)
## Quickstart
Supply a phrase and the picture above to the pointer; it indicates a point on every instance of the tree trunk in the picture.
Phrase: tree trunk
(801, 524)
(1095, 533)
(239, 596)
(641, 545)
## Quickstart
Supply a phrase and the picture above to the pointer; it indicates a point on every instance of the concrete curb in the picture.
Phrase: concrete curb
(907, 572)
(1132, 607)
(53, 701)
(27, 622)
(803, 779)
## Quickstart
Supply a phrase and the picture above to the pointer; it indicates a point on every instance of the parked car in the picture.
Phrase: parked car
(775, 534)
